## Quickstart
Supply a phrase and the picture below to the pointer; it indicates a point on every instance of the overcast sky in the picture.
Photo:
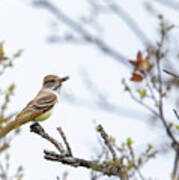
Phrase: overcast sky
(27, 28)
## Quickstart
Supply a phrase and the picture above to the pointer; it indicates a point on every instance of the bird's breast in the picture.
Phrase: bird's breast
(44, 116)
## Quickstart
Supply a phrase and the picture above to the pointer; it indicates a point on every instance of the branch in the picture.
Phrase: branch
(109, 168)
(121, 13)
(79, 29)
(175, 172)
(104, 167)
(170, 3)
(36, 128)
(4, 147)
(159, 56)
(105, 136)
(175, 143)
(65, 141)
(171, 74)
(139, 101)
(176, 114)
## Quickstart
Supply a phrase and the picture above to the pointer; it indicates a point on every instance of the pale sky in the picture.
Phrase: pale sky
(24, 27)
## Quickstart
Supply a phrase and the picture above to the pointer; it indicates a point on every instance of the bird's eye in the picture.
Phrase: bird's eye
(50, 81)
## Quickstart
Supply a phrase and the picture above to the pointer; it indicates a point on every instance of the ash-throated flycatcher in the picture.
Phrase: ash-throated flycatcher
(40, 108)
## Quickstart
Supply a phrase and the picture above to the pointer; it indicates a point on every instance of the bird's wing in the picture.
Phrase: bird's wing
(39, 105)
(45, 102)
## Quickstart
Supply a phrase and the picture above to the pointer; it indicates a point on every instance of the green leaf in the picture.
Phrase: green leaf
(177, 127)
(170, 27)
(129, 141)
(160, 16)
(142, 92)
(150, 146)
(129, 165)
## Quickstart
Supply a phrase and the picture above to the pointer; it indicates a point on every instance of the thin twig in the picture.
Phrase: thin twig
(103, 167)
(170, 4)
(105, 136)
(158, 62)
(150, 89)
(137, 168)
(65, 141)
(143, 104)
(175, 143)
(106, 168)
(176, 114)
(89, 37)
(121, 13)
(171, 74)
(175, 172)
(38, 129)
(65, 175)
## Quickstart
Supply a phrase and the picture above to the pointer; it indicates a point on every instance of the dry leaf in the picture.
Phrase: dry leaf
(136, 77)
(141, 64)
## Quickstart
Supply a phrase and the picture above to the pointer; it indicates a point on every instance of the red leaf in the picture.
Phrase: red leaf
(136, 77)
(141, 64)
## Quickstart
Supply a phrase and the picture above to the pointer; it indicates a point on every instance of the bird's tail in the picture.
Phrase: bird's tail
(20, 120)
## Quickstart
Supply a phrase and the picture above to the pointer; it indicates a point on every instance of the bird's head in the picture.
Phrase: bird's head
(53, 82)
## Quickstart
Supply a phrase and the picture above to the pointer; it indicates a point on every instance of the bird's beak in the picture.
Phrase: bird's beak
(64, 79)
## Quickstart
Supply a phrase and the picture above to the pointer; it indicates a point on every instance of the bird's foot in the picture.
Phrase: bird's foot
(34, 124)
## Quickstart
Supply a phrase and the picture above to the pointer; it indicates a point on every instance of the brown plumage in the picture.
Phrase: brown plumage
(40, 108)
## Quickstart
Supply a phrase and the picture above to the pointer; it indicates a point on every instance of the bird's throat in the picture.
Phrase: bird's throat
(56, 92)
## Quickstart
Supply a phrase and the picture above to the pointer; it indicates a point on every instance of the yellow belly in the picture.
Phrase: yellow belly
(44, 116)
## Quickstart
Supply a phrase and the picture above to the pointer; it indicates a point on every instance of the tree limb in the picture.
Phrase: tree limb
(103, 167)
(109, 168)
(89, 37)
(121, 13)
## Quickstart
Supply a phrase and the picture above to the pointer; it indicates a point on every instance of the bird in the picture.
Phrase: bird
(41, 107)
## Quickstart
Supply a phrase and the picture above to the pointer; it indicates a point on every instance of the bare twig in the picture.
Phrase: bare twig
(171, 74)
(104, 167)
(110, 168)
(65, 141)
(4, 147)
(94, 175)
(121, 13)
(176, 114)
(89, 37)
(105, 105)
(175, 172)
(175, 143)
(170, 3)
(150, 89)
(143, 104)
(105, 136)
(38, 129)
(65, 175)
(158, 62)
